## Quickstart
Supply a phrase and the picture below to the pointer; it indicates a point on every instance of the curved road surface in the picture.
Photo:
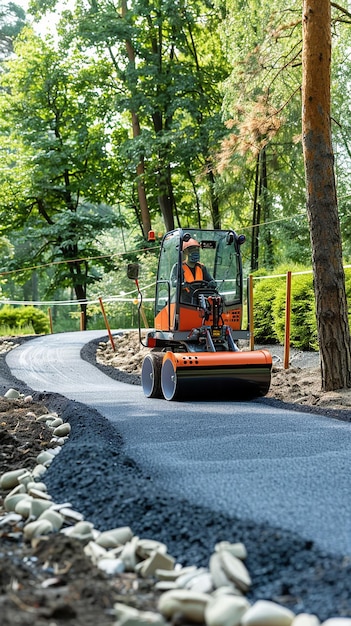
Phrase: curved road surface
(286, 468)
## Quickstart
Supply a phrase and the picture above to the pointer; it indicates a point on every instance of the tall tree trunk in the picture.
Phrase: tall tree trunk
(216, 218)
(256, 217)
(268, 260)
(165, 194)
(144, 208)
(80, 289)
(143, 204)
(164, 178)
(329, 279)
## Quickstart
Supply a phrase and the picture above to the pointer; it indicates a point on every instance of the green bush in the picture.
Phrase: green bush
(303, 329)
(263, 300)
(270, 304)
(17, 318)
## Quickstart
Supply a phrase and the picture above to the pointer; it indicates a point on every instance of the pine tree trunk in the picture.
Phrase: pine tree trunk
(329, 279)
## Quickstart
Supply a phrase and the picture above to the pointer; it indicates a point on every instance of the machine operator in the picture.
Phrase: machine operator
(192, 268)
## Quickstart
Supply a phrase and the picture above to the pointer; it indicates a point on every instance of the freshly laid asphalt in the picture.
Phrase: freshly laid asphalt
(250, 460)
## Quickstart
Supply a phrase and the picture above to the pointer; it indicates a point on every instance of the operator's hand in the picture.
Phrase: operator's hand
(212, 284)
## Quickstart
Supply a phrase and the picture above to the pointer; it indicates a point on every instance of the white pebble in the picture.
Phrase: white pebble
(39, 470)
(36, 485)
(305, 619)
(111, 566)
(235, 569)
(37, 529)
(70, 515)
(23, 507)
(94, 551)
(9, 479)
(266, 613)
(12, 394)
(61, 431)
(114, 537)
(188, 604)
(237, 549)
(38, 506)
(81, 530)
(55, 422)
(226, 611)
(45, 458)
(157, 560)
(11, 501)
(54, 518)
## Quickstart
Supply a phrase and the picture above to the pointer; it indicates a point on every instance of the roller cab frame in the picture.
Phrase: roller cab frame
(193, 346)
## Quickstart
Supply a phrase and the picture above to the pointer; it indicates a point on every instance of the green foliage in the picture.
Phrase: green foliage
(123, 311)
(6, 331)
(17, 318)
(303, 331)
(121, 314)
(270, 307)
(69, 154)
(54, 177)
(264, 296)
(167, 67)
(12, 19)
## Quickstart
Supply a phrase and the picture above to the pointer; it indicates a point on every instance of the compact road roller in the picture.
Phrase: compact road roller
(198, 322)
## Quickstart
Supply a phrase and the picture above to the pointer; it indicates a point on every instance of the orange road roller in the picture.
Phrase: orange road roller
(198, 322)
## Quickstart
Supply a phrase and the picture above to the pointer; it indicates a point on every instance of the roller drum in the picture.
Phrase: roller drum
(216, 375)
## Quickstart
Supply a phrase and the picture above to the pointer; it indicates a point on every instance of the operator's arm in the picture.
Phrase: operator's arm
(207, 276)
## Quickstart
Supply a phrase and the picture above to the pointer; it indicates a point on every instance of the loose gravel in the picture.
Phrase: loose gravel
(99, 480)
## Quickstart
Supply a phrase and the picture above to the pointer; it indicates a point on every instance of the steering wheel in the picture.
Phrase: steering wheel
(197, 284)
(198, 287)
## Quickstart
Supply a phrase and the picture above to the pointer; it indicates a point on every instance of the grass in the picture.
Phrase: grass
(10, 331)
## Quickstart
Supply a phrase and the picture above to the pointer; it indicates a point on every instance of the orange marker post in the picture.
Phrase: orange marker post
(50, 321)
(287, 321)
(107, 325)
(251, 316)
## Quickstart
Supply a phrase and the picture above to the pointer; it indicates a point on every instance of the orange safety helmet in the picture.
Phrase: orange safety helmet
(190, 244)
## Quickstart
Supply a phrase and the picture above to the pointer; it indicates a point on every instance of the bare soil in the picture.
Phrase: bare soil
(50, 581)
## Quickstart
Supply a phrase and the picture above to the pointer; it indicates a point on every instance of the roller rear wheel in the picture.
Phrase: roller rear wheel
(168, 380)
(151, 375)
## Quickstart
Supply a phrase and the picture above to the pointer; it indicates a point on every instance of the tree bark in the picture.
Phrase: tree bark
(322, 210)
(256, 218)
(164, 179)
(215, 212)
(144, 207)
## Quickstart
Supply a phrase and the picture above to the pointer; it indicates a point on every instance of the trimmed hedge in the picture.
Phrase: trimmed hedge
(269, 311)
(264, 295)
(19, 317)
(303, 327)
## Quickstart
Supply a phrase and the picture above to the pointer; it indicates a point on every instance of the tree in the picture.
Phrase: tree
(263, 114)
(55, 177)
(12, 20)
(167, 69)
(329, 280)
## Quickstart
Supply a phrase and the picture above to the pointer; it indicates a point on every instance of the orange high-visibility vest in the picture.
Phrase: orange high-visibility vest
(189, 276)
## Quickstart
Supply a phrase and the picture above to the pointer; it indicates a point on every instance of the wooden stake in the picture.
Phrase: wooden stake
(287, 321)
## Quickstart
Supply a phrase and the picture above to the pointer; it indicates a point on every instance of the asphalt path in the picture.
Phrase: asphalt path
(286, 468)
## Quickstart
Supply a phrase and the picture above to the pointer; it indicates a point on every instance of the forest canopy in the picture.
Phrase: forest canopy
(128, 116)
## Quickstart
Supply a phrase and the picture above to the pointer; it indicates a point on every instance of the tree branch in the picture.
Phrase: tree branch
(340, 8)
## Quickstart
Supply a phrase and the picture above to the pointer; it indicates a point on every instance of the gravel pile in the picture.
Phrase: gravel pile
(94, 475)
